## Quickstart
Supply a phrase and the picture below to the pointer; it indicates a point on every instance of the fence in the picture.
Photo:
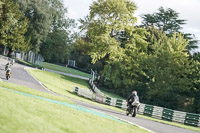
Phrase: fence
(30, 57)
(144, 109)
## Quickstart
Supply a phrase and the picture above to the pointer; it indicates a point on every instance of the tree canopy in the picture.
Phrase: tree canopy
(13, 27)
(169, 22)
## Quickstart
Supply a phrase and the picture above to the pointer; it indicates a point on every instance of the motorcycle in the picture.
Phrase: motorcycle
(133, 108)
(8, 75)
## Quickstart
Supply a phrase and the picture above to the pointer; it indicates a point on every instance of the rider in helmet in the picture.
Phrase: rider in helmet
(133, 97)
(7, 66)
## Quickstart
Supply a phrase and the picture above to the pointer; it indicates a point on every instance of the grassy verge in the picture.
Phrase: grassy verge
(64, 85)
(111, 94)
(33, 92)
(65, 69)
(22, 114)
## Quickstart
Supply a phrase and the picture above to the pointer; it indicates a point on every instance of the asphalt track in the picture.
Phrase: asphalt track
(21, 77)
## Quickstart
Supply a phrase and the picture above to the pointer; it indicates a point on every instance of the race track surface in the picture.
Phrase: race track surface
(21, 77)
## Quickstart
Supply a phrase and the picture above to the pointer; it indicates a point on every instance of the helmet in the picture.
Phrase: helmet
(134, 92)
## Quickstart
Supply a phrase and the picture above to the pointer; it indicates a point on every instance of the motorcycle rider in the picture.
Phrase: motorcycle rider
(7, 66)
(132, 98)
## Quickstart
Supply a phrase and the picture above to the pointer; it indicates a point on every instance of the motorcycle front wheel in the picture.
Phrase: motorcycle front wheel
(127, 112)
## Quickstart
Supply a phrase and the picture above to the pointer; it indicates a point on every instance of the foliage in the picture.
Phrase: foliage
(13, 27)
(154, 61)
(56, 48)
(107, 23)
(44, 17)
(168, 69)
(169, 22)
(166, 20)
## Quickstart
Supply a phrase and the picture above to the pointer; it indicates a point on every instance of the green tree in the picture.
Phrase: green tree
(42, 15)
(13, 28)
(169, 22)
(168, 68)
(56, 48)
(58, 44)
(114, 41)
(1, 9)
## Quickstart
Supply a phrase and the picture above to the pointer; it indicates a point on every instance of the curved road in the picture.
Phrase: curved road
(21, 77)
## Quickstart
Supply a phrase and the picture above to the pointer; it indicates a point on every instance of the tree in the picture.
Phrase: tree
(42, 14)
(169, 22)
(1, 9)
(56, 48)
(13, 28)
(168, 68)
(58, 44)
(114, 41)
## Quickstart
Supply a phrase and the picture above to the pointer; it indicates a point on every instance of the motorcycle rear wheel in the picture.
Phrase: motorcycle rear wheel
(7, 77)
(134, 111)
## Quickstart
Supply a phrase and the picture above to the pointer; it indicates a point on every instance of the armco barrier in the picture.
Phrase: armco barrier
(179, 116)
(76, 90)
(83, 92)
(141, 109)
(124, 104)
(99, 98)
(167, 114)
(119, 103)
(144, 109)
(108, 100)
(192, 119)
(148, 110)
(157, 112)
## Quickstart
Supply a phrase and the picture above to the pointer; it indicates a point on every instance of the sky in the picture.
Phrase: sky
(189, 10)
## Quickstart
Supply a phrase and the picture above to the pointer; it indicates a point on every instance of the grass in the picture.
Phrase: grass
(33, 92)
(65, 69)
(75, 72)
(64, 85)
(22, 114)
(111, 94)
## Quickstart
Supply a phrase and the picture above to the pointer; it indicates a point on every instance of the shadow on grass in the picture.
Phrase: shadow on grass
(3, 78)
(76, 80)
(71, 92)
(2, 69)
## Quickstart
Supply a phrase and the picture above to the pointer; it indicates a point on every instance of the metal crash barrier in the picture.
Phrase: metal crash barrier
(144, 109)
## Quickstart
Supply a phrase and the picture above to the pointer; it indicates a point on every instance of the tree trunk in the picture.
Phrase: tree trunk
(10, 52)
(100, 82)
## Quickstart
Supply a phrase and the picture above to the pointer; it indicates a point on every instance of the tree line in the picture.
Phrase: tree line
(153, 58)
(41, 26)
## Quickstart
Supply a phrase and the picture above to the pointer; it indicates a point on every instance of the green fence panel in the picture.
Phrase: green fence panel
(119, 103)
(148, 110)
(108, 100)
(192, 119)
(167, 114)
(76, 90)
